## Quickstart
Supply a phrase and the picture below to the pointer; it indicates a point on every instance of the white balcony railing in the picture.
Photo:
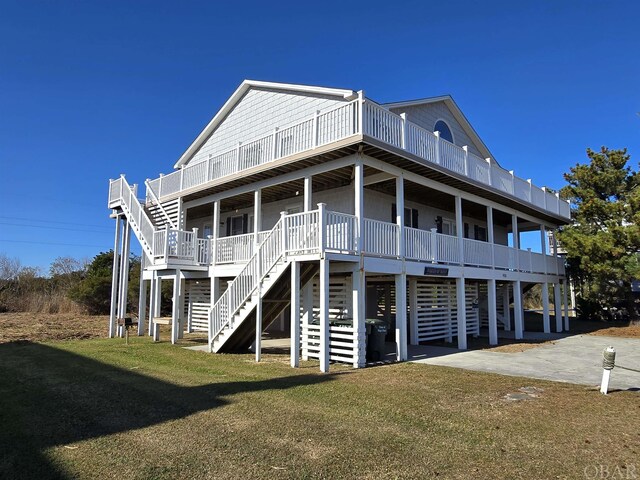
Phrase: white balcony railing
(323, 128)
(340, 123)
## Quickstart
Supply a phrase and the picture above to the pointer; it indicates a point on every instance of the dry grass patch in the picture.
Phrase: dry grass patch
(629, 331)
(40, 327)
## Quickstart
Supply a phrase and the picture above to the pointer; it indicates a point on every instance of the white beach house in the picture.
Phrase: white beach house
(320, 209)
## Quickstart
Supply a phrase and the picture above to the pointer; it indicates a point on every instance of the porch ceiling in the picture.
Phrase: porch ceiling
(343, 176)
(320, 182)
(409, 162)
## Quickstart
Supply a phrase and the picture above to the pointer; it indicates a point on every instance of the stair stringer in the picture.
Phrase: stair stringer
(249, 306)
(275, 301)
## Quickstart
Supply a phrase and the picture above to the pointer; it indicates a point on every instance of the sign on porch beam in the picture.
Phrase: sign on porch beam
(436, 271)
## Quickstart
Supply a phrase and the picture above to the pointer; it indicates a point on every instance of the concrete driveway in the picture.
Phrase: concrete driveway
(573, 359)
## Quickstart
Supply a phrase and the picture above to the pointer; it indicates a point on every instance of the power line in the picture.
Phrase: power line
(53, 221)
(53, 243)
(51, 228)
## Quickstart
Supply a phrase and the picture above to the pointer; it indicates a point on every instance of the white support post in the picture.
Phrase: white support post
(258, 340)
(181, 319)
(461, 313)
(157, 304)
(257, 216)
(413, 311)
(517, 310)
(493, 313)
(274, 147)
(142, 297)
(403, 125)
(215, 231)
(565, 301)
(401, 317)
(307, 316)
(308, 194)
(543, 247)
(516, 239)
(315, 129)
(322, 213)
(361, 100)
(181, 215)
(491, 235)
(124, 276)
(546, 322)
(194, 242)
(400, 215)
(488, 160)
(295, 314)
(466, 160)
(325, 339)
(166, 243)
(283, 220)
(359, 203)
(115, 281)
(238, 157)
(434, 245)
(506, 307)
(152, 300)
(459, 228)
(358, 285)
(557, 306)
(437, 134)
(175, 313)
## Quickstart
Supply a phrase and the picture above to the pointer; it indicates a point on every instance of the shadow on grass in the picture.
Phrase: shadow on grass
(51, 397)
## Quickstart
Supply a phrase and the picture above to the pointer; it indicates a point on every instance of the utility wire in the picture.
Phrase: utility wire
(52, 243)
(52, 228)
(53, 221)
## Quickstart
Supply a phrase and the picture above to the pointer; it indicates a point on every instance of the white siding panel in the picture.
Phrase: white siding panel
(428, 114)
(258, 113)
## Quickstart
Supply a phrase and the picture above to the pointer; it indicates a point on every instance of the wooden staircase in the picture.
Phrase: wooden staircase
(263, 276)
(276, 297)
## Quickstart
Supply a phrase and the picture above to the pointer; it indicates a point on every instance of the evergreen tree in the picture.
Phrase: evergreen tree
(94, 291)
(603, 241)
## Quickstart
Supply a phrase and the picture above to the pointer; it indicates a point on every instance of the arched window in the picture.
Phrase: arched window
(445, 132)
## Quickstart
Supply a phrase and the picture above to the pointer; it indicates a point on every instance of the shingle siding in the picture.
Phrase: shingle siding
(258, 113)
(428, 114)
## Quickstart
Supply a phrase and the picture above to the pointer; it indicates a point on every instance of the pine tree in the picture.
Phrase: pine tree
(603, 241)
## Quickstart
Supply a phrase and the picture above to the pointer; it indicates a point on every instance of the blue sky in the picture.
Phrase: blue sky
(89, 90)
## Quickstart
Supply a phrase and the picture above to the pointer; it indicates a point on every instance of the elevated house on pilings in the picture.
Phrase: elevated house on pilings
(318, 209)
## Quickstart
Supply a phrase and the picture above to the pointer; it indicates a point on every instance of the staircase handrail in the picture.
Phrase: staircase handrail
(256, 269)
(137, 217)
(155, 198)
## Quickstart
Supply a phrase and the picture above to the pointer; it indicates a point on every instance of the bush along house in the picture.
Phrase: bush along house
(328, 214)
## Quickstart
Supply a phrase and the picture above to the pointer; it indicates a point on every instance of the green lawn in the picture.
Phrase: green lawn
(101, 409)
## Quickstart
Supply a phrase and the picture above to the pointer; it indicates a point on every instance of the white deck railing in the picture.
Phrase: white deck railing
(302, 235)
(383, 125)
(380, 238)
(340, 123)
(318, 231)
(330, 126)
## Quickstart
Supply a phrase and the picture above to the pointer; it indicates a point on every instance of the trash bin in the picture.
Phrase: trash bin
(341, 322)
(376, 333)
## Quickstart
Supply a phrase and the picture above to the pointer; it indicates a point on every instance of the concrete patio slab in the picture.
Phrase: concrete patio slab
(574, 359)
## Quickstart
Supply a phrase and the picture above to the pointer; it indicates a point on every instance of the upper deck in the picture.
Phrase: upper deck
(360, 120)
